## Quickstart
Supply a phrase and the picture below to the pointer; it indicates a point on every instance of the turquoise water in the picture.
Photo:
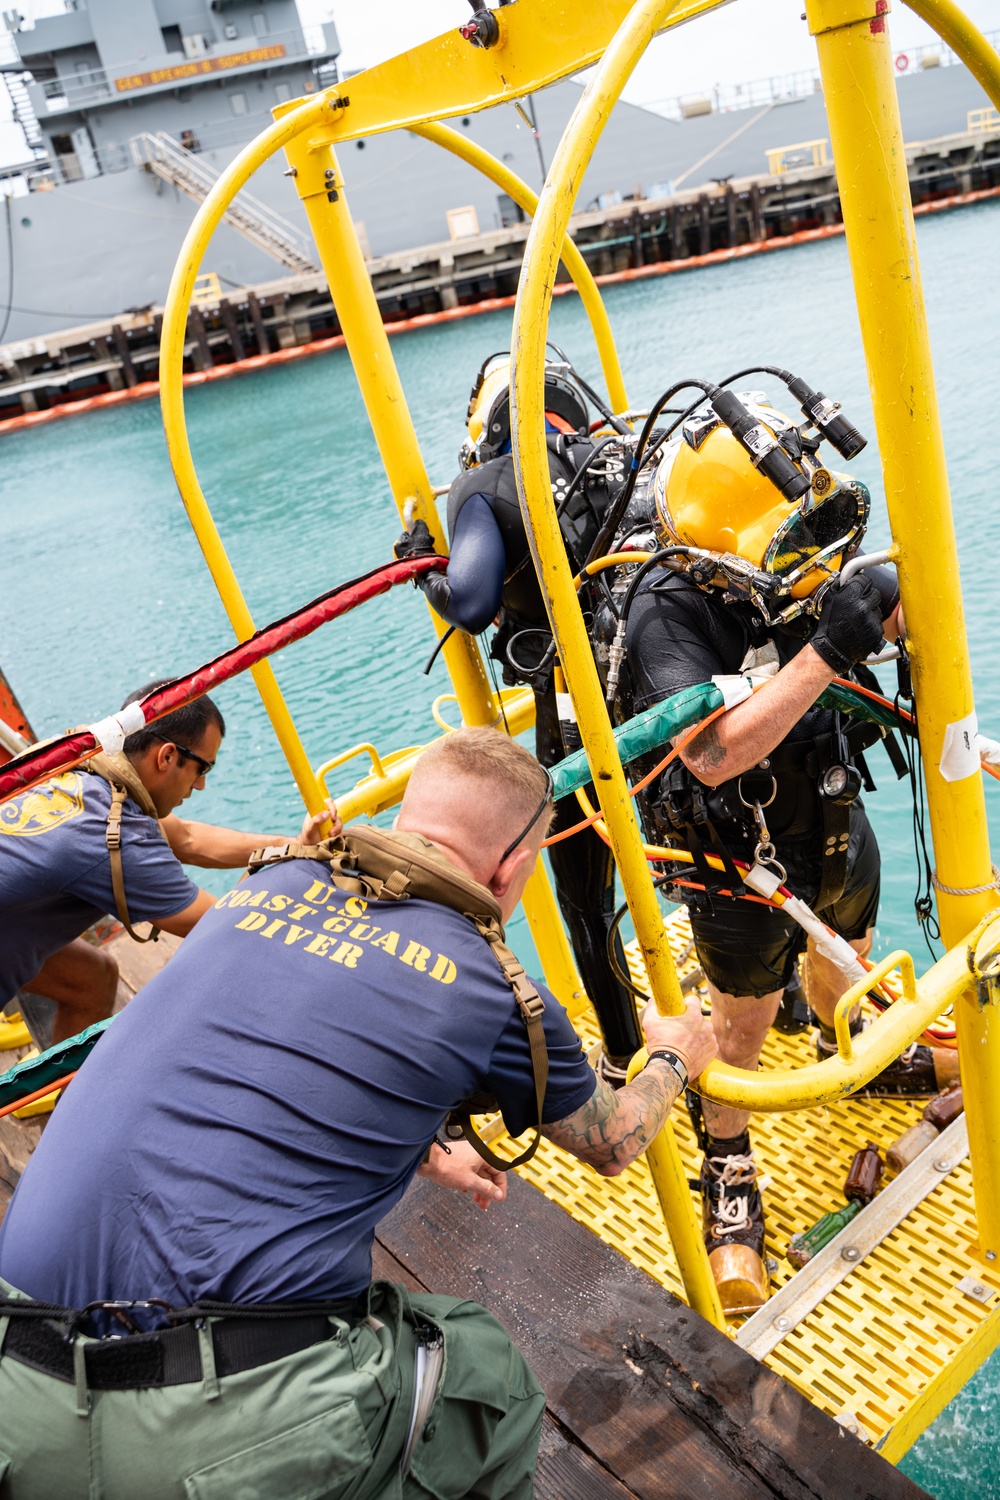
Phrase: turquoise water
(106, 587)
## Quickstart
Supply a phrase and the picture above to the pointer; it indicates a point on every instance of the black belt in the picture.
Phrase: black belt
(168, 1356)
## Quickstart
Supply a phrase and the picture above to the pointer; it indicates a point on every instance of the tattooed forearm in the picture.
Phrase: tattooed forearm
(707, 752)
(744, 735)
(612, 1129)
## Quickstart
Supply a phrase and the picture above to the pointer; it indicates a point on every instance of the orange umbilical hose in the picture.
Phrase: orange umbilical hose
(50, 1088)
(640, 786)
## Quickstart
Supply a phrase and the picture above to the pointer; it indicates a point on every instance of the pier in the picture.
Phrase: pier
(231, 330)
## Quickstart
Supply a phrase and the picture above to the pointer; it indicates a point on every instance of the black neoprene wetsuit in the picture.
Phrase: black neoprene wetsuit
(679, 635)
(490, 571)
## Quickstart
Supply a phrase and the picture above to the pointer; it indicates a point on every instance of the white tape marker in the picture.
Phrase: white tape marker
(111, 733)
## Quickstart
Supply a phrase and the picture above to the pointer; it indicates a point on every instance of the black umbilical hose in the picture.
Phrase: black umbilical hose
(647, 567)
(622, 428)
(581, 473)
(442, 641)
(617, 511)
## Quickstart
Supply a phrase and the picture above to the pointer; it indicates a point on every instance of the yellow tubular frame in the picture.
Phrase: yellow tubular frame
(368, 344)
(859, 87)
(955, 28)
(531, 317)
(172, 338)
(539, 44)
(576, 266)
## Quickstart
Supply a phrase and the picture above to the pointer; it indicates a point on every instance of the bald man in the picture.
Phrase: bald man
(236, 1137)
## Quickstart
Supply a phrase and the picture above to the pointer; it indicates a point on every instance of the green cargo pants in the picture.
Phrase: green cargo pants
(328, 1423)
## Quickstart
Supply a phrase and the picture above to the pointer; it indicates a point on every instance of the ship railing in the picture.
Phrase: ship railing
(726, 97)
(95, 85)
(161, 154)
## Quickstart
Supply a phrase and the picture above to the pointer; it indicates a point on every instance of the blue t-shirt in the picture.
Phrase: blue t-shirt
(55, 871)
(265, 1100)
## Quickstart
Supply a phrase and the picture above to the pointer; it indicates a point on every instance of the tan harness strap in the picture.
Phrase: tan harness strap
(383, 866)
(124, 781)
(532, 1007)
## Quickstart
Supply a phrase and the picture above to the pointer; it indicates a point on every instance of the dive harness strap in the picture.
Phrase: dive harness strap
(124, 781)
(381, 866)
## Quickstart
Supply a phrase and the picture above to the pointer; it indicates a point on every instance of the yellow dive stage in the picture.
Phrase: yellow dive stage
(884, 1335)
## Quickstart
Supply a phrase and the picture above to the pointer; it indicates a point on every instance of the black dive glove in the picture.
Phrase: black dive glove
(415, 543)
(850, 623)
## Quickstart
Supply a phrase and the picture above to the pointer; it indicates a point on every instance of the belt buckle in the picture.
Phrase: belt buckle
(119, 1310)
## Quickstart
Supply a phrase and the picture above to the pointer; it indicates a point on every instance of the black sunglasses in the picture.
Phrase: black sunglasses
(549, 790)
(204, 766)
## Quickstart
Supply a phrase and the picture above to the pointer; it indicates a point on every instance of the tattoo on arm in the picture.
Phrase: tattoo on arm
(707, 752)
(612, 1129)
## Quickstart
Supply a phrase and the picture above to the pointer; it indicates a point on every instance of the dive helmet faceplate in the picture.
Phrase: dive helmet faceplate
(709, 495)
(488, 416)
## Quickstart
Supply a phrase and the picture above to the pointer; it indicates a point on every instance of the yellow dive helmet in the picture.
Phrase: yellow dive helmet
(709, 495)
(488, 416)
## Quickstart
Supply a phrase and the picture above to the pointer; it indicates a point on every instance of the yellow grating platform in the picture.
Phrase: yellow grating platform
(896, 1339)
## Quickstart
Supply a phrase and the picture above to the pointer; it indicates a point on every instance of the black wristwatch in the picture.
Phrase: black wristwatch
(673, 1061)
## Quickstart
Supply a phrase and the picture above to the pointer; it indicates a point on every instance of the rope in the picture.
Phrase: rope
(970, 890)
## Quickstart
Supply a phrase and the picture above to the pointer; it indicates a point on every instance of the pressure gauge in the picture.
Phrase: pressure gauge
(840, 784)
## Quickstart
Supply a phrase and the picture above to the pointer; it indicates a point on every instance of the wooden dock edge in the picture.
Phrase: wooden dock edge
(644, 1398)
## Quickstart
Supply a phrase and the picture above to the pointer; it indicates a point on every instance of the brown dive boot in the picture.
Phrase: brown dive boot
(733, 1224)
(916, 1073)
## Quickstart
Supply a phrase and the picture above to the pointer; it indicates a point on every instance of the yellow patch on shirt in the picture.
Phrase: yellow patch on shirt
(44, 808)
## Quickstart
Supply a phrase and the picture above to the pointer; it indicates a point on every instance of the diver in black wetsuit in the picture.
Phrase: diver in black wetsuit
(743, 580)
(491, 577)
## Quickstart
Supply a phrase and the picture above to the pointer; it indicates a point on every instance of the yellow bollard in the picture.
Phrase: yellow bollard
(859, 87)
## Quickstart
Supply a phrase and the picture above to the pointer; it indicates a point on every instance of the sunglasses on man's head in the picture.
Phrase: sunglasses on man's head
(204, 766)
(549, 789)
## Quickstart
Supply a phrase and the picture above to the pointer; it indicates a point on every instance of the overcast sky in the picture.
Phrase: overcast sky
(739, 43)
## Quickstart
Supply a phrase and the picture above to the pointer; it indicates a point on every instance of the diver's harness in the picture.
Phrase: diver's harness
(830, 764)
(381, 866)
(124, 781)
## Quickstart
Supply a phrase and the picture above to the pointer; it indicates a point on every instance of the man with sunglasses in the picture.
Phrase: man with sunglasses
(58, 859)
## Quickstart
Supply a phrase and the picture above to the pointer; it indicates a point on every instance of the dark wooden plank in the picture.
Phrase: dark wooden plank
(565, 1471)
(567, 1300)
(638, 1380)
(138, 962)
(385, 1267)
(18, 1139)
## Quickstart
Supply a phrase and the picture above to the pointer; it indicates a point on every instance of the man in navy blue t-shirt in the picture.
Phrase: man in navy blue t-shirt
(55, 867)
(241, 1129)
